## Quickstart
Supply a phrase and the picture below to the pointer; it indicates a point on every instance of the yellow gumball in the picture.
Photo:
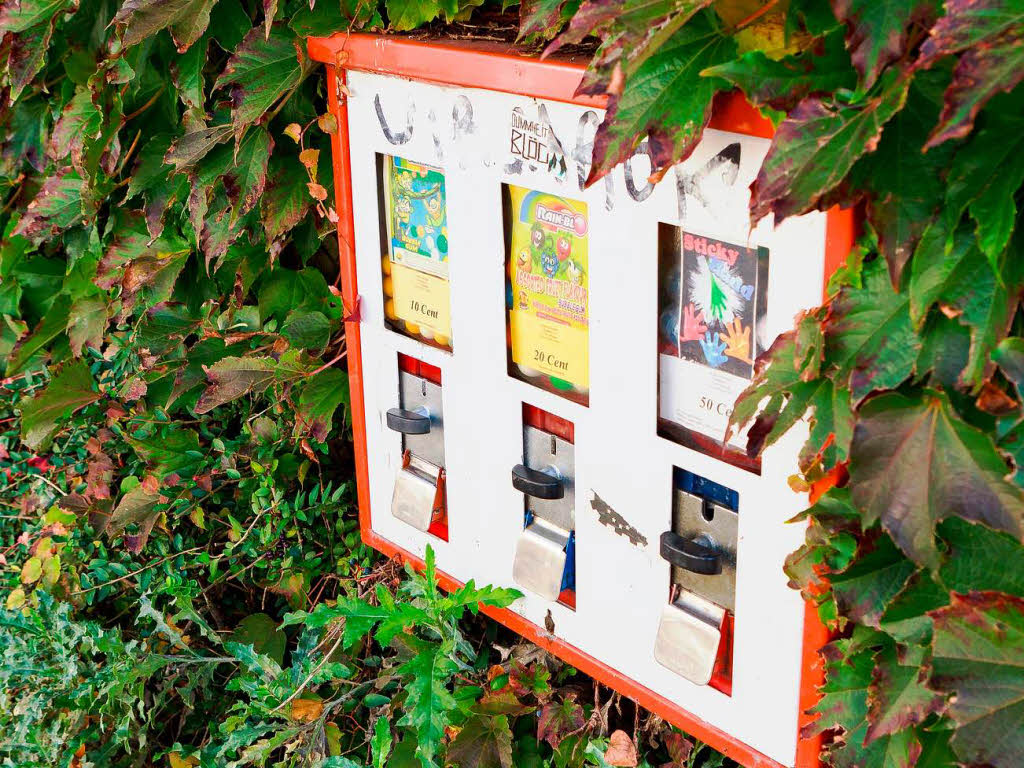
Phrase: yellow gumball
(444, 341)
(385, 265)
(389, 309)
(389, 286)
(412, 328)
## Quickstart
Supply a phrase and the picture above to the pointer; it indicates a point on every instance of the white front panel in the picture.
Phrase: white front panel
(621, 584)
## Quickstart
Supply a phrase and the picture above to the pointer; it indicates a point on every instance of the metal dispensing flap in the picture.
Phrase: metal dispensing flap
(714, 527)
(688, 637)
(417, 395)
(540, 559)
(415, 492)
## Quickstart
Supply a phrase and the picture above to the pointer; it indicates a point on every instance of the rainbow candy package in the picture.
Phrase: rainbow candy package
(416, 272)
(549, 314)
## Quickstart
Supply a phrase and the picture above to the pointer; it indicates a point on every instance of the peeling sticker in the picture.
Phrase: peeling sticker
(726, 162)
(612, 519)
(399, 137)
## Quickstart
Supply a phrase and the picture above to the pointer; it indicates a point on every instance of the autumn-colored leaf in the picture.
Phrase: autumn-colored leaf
(978, 660)
(43, 414)
(989, 35)
(621, 750)
(915, 462)
(877, 32)
(306, 710)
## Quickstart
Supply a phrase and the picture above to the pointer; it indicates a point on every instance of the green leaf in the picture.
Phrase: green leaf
(781, 83)
(542, 19)
(961, 278)
(53, 324)
(428, 701)
(871, 341)
(186, 20)
(987, 171)
(261, 632)
(877, 31)
(380, 744)
(914, 462)
(906, 619)
(817, 144)
(79, 121)
(409, 14)
(307, 330)
(865, 589)
(57, 206)
(150, 168)
(42, 415)
(285, 201)
(235, 377)
(23, 15)
(286, 290)
(260, 72)
(248, 177)
(170, 451)
(664, 99)
(988, 35)
(138, 507)
(87, 323)
(195, 145)
(981, 559)
(898, 697)
(977, 659)
(320, 398)
(483, 742)
(782, 392)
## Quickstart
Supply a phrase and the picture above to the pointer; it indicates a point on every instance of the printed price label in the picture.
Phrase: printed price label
(422, 299)
(557, 350)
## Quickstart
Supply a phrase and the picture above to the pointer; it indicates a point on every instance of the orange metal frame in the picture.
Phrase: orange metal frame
(499, 67)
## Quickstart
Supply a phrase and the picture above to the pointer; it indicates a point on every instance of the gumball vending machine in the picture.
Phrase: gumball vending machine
(541, 375)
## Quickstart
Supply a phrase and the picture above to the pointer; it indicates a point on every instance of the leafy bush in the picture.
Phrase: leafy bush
(174, 453)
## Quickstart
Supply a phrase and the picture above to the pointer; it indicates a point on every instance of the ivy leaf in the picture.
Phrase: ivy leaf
(308, 330)
(990, 35)
(247, 178)
(285, 200)
(977, 659)
(195, 145)
(43, 414)
(962, 281)
(865, 589)
(404, 15)
(871, 341)
(558, 719)
(23, 15)
(542, 19)
(877, 31)
(80, 120)
(906, 619)
(138, 507)
(170, 451)
(260, 72)
(319, 400)
(187, 20)
(981, 559)
(664, 99)
(781, 83)
(987, 171)
(914, 462)
(57, 206)
(904, 188)
(428, 700)
(86, 324)
(483, 742)
(261, 632)
(817, 144)
(235, 377)
(898, 697)
(53, 324)
(780, 395)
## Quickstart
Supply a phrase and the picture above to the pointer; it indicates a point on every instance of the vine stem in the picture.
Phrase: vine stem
(140, 570)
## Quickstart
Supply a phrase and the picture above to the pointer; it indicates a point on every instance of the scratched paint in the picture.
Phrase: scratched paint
(394, 137)
(609, 518)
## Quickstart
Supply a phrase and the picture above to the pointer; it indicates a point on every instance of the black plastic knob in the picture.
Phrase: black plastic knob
(689, 554)
(535, 483)
(408, 422)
